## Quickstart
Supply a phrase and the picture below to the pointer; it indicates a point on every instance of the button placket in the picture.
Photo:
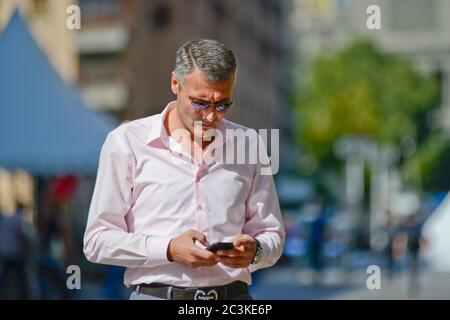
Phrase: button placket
(201, 170)
(200, 205)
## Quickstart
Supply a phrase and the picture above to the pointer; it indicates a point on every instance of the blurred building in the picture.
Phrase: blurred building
(47, 21)
(253, 29)
(102, 46)
(127, 52)
(415, 29)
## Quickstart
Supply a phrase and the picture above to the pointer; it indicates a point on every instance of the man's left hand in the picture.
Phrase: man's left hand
(241, 256)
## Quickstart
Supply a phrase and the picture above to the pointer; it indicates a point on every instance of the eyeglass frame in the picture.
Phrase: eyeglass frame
(203, 105)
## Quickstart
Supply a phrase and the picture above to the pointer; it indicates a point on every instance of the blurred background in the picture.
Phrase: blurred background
(363, 114)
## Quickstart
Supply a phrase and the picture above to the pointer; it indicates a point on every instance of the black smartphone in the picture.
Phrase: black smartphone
(220, 246)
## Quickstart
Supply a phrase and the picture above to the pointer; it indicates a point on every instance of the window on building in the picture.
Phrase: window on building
(100, 7)
(219, 11)
(99, 68)
(159, 16)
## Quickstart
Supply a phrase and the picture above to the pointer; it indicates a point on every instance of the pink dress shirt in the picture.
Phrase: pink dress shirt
(148, 191)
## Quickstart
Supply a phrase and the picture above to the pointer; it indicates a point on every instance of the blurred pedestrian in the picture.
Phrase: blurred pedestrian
(55, 237)
(316, 245)
(13, 252)
(413, 228)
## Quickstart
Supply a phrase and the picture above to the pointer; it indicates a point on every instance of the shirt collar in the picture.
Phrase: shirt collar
(158, 130)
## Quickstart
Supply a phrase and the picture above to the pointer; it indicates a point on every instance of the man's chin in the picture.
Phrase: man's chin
(204, 131)
(206, 128)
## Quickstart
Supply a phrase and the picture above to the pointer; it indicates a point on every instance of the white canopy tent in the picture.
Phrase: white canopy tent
(437, 232)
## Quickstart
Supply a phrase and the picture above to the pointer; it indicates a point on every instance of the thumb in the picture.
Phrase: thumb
(242, 240)
(196, 235)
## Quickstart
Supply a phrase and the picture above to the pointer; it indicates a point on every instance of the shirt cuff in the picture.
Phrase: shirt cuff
(259, 265)
(157, 250)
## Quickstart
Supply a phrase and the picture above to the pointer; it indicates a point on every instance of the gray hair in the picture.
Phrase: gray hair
(214, 59)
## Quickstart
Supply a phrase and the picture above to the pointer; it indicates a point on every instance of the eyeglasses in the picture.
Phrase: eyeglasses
(203, 105)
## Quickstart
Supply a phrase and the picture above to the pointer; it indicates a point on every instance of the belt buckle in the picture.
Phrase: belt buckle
(202, 295)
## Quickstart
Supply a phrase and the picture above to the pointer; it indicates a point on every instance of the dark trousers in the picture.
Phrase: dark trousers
(14, 269)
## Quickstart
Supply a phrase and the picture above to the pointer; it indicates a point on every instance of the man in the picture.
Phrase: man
(157, 203)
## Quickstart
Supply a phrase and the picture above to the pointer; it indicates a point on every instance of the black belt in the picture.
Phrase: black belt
(164, 291)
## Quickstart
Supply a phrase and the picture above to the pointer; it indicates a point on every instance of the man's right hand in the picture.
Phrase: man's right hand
(183, 250)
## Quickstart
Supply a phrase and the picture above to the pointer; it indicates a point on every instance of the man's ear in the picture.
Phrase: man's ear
(174, 83)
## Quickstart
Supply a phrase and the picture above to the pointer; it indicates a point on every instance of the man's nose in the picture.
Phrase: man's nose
(210, 114)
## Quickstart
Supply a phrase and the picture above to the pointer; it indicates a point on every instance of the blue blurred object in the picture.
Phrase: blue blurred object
(293, 191)
(112, 287)
(44, 126)
(52, 279)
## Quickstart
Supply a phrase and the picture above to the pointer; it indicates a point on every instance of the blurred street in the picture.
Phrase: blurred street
(292, 284)
(358, 100)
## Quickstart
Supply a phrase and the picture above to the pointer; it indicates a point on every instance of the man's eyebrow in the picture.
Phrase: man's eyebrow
(198, 99)
(206, 101)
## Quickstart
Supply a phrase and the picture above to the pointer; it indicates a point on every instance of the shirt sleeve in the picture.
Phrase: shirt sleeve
(263, 216)
(106, 239)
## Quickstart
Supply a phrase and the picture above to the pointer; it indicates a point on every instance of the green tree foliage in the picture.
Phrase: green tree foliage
(427, 168)
(359, 90)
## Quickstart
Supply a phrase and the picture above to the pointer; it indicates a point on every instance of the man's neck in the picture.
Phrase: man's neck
(172, 122)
